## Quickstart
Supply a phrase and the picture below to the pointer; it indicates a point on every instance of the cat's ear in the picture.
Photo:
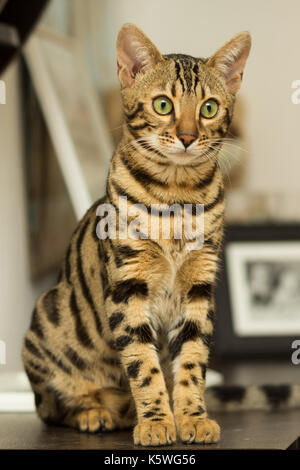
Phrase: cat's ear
(230, 60)
(135, 54)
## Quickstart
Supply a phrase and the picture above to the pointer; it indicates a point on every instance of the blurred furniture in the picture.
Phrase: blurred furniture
(73, 114)
(17, 18)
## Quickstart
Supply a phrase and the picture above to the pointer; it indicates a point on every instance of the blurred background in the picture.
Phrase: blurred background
(62, 118)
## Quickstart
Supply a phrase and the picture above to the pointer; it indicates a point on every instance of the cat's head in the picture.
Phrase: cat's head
(177, 106)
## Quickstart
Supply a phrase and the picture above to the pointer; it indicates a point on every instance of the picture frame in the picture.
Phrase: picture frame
(258, 284)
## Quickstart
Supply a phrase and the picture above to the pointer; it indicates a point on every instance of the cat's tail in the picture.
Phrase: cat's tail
(253, 397)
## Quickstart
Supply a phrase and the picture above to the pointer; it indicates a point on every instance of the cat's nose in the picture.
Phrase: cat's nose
(187, 139)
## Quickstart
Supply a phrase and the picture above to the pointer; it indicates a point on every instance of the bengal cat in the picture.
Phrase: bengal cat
(123, 338)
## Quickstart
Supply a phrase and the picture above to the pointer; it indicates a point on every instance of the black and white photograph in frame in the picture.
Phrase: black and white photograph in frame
(264, 287)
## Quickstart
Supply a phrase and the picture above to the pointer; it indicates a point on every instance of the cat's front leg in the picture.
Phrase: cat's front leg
(135, 339)
(190, 349)
(189, 346)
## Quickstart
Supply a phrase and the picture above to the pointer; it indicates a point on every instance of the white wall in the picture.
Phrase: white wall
(199, 27)
(17, 292)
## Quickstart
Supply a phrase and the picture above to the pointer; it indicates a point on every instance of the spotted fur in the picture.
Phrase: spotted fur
(123, 338)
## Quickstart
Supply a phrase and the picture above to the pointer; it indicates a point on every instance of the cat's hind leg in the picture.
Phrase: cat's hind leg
(86, 399)
(105, 410)
(91, 411)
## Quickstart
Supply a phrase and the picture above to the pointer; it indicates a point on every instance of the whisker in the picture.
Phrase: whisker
(228, 142)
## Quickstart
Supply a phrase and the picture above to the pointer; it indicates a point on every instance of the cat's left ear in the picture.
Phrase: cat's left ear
(136, 53)
(230, 60)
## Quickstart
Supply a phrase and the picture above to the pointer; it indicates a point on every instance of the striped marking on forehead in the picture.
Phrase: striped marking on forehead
(187, 71)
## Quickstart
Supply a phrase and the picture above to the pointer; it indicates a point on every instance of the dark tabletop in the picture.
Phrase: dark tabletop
(240, 430)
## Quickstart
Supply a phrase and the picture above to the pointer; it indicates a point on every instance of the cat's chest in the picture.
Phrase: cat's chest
(167, 303)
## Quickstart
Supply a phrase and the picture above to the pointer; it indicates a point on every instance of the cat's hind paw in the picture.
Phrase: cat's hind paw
(94, 420)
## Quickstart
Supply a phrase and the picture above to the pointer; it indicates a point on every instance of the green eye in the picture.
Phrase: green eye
(209, 109)
(162, 105)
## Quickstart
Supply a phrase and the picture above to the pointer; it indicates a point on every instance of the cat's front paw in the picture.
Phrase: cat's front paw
(154, 434)
(197, 430)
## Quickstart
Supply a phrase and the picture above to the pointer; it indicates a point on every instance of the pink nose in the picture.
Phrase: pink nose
(187, 139)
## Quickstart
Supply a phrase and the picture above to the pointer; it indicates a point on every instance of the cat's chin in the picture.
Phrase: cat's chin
(182, 158)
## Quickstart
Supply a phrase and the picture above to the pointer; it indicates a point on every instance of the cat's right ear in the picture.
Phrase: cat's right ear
(135, 52)
(230, 60)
